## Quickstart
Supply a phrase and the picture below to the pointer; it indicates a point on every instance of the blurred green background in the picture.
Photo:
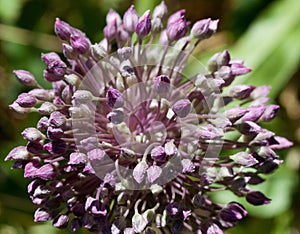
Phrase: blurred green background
(266, 33)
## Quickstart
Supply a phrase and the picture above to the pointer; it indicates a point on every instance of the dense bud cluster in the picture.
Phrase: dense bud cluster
(130, 142)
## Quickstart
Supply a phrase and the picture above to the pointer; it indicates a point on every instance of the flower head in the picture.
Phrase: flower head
(127, 141)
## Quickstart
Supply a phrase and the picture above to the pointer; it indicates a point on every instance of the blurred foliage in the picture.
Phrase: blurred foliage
(266, 33)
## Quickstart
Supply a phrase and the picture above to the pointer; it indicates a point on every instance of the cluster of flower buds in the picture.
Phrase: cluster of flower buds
(129, 141)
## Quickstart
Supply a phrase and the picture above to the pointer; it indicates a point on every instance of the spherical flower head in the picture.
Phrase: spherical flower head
(128, 141)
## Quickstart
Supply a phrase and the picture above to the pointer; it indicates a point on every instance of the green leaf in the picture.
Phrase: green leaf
(141, 5)
(271, 46)
(10, 10)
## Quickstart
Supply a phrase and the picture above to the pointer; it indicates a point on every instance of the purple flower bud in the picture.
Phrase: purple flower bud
(257, 198)
(163, 38)
(170, 148)
(282, 143)
(130, 19)
(54, 133)
(56, 147)
(80, 44)
(34, 147)
(16, 107)
(95, 207)
(61, 221)
(42, 215)
(139, 171)
(270, 113)
(96, 157)
(125, 53)
(116, 116)
(89, 143)
(113, 16)
(244, 159)
(110, 31)
(223, 59)
(175, 16)
(239, 69)
(250, 129)
(32, 134)
(161, 84)
(51, 77)
(47, 108)
(235, 113)
(38, 201)
(46, 172)
(182, 108)
(214, 229)
(208, 131)
(33, 185)
(83, 96)
(204, 28)
(269, 166)
(42, 191)
(42, 94)
(26, 100)
(49, 58)
(187, 165)
(57, 119)
(123, 36)
(157, 25)
(98, 51)
(233, 212)
(153, 173)
(43, 124)
(18, 153)
(143, 27)
(160, 11)
(255, 179)
(261, 91)
(31, 169)
(77, 158)
(114, 98)
(158, 154)
(62, 29)
(177, 30)
(25, 77)
(254, 113)
(69, 51)
(200, 28)
(241, 91)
